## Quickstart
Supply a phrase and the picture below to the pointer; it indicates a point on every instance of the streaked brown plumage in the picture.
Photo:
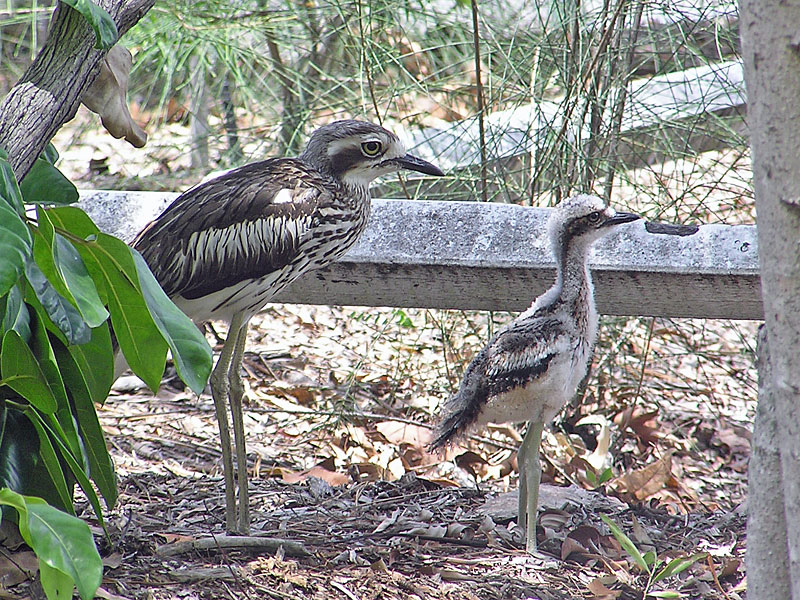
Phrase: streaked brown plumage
(534, 365)
(224, 248)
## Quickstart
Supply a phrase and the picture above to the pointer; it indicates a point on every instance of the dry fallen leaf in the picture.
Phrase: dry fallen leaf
(468, 460)
(599, 459)
(600, 591)
(17, 568)
(729, 567)
(387, 522)
(641, 422)
(283, 570)
(112, 561)
(104, 594)
(321, 471)
(640, 535)
(107, 97)
(737, 439)
(396, 433)
(364, 471)
(379, 566)
(583, 543)
(302, 393)
(175, 537)
(645, 482)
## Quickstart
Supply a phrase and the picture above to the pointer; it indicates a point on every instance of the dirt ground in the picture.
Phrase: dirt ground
(347, 504)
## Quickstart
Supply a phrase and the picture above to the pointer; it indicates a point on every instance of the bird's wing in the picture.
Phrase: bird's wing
(522, 352)
(516, 355)
(240, 226)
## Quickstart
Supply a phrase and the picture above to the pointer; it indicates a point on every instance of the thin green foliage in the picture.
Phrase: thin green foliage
(656, 569)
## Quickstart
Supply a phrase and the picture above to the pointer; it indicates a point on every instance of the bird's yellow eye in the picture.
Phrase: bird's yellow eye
(371, 148)
(594, 218)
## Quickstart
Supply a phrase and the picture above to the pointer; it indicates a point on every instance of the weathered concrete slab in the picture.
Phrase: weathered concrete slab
(653, 101)
(467, 255)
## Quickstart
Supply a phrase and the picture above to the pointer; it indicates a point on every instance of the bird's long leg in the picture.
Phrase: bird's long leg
(530, 474)
(219, 391)
(522, 502)
(237, 393)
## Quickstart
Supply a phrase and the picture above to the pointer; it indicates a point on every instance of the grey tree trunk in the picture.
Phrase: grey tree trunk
(48, 94)
(767, 549)
(770, 33)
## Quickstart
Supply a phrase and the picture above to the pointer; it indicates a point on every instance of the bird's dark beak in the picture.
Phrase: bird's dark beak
(411, 162)
(620, 218)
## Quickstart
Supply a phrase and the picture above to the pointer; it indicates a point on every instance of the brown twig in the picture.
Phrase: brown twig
(711, 568)
(217, 542)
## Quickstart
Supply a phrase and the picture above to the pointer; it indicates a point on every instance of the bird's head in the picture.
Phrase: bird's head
(356, 152)
(582, 219)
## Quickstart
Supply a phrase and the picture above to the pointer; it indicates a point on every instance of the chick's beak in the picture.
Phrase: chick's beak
(621, 217)
(413, 163)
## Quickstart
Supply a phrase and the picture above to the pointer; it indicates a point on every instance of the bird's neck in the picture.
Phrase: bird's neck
(357, 195)
(573, 275)
(573, 286)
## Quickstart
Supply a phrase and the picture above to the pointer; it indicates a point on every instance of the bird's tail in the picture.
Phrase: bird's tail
(447, 430)
(460, 413)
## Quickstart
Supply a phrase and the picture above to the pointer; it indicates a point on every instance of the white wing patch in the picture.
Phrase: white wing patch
(285, 196)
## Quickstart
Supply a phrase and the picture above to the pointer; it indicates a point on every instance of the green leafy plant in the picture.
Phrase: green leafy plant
(67, 554)
(655, 568)
(60, 281)
(598, 478)
(105, 30)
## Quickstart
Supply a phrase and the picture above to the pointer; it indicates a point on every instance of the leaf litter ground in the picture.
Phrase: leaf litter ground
(338, 417)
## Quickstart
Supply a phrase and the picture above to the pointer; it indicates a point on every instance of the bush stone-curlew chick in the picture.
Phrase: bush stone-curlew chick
(533, 366)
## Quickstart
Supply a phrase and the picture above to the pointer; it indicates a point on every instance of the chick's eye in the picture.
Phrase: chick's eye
(371, 148)
(594, 217)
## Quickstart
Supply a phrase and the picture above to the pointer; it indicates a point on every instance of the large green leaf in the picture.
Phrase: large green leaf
(60, 311)
(105, 30)
(61, 541)
(79, 282)
(56, 584)
(50, 154)
(43, 351)
(101, 468)
(190, 350)
(20, 371)
(110, 259)
(73, 220)
(48, 427)
(138, 336)
(144, 319)
(45, 184)
(47, 452)
(14, 314)
(15, 246)
(79, 228)
(19, 449)
(64, 268)
(96, 363)
(28, 467)
(9, 188)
